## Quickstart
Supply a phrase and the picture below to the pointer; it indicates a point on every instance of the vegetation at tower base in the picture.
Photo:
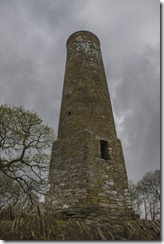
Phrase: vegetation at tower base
(25, 143)
(42, 224)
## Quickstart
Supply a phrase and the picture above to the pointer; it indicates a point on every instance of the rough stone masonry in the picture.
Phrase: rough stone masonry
(87, 176)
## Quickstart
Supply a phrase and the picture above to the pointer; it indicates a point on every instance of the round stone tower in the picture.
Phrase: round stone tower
(87, 174)
(85, 102)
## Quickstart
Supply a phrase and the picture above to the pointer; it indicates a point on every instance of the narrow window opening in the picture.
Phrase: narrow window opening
(104, 150)
(69, 113)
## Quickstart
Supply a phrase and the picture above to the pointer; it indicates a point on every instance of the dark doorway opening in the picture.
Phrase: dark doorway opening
(104, 150)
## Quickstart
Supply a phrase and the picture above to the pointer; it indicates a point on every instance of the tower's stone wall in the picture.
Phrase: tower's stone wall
(87, 176)
(85, 100)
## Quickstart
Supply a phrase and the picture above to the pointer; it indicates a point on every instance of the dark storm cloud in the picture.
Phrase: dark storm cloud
(33, 54)
(138, 111)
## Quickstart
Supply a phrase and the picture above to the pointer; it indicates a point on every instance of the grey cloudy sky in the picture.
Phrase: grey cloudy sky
(33, 55)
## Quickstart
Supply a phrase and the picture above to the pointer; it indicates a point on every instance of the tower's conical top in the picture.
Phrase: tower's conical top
(85, 33)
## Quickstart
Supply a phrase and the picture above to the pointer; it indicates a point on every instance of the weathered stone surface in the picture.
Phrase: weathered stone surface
(87, 168)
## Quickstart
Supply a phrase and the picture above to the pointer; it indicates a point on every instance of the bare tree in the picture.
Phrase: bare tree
(136, 201)
(145, 195)
(149, 190)
(25, 144)
(151, 183)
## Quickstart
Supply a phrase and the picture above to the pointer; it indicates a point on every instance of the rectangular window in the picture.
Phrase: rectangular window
(104, 150)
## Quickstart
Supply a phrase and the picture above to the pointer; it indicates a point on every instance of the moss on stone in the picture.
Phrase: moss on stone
(6, 229)
(60, 223)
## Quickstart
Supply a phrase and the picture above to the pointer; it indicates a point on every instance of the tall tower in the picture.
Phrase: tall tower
(87, 174)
